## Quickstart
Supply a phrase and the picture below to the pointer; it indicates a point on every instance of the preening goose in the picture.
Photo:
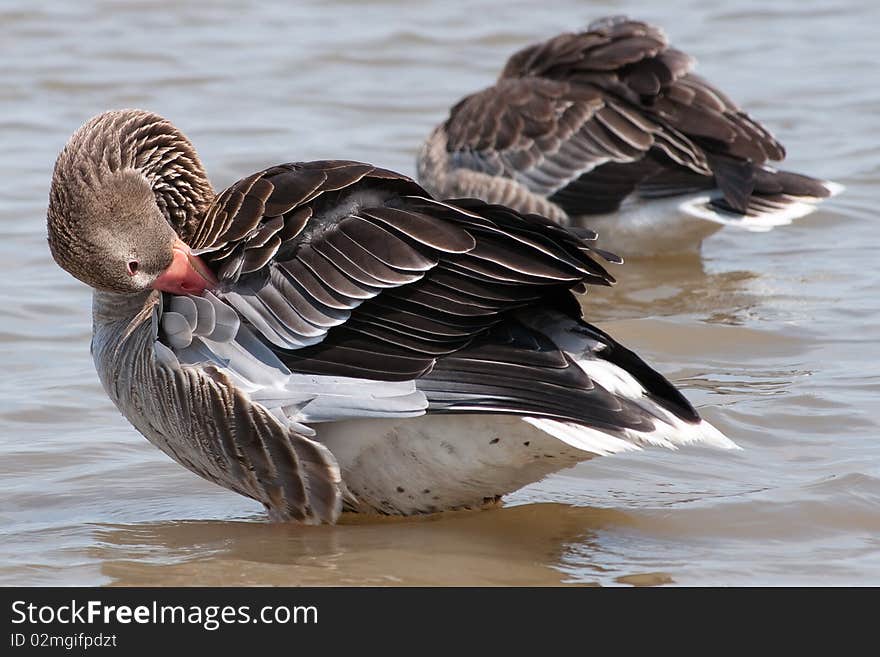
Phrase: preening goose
(325, 336)
(613, 118)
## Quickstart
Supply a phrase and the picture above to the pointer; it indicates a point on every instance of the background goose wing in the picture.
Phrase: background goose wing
(584, 118)
(553, 138)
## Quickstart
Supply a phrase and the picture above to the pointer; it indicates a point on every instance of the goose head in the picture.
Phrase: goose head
(127, 195)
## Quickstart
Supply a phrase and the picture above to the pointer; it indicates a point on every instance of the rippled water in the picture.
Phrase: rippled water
(773, 335)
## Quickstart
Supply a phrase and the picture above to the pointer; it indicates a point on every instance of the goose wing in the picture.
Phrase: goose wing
(583, 118)
(364, 275)
(369, 289)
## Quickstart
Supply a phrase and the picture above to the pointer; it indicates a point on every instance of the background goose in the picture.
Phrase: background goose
(585, 121)
(324, 335)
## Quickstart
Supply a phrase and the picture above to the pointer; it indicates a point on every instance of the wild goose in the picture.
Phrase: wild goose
(324, 335)
(612, 118)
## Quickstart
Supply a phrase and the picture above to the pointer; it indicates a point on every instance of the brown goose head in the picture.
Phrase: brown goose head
(127, 194)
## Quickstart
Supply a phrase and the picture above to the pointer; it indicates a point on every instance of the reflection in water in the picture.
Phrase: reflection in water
(525, 544)
(674, 285)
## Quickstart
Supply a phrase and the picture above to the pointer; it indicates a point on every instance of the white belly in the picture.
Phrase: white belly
(649, 228)
(440, 462)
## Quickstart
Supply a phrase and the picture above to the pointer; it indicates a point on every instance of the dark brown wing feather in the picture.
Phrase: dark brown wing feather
(513, 369)
(569, 113)
(376, 280)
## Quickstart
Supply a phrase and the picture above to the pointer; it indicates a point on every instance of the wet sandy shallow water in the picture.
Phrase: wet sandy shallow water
(773, 336)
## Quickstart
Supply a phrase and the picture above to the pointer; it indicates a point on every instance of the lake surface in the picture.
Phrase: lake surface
(774, 336)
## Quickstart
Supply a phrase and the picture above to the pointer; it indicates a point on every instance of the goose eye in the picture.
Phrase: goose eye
(132, 267)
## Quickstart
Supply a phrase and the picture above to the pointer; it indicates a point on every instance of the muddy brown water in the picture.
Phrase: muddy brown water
(773, 335)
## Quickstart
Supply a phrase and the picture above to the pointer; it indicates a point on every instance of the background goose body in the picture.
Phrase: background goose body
(611, 129)
(324, 335)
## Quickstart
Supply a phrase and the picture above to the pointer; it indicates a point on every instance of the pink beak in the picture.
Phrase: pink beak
(187, 274)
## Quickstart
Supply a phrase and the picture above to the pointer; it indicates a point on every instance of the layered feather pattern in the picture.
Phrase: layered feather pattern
(578, 123)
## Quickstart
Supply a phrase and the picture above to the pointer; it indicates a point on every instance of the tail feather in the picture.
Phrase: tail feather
(667, 419)
(671, 436)
(669, 428)
(778, 199)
